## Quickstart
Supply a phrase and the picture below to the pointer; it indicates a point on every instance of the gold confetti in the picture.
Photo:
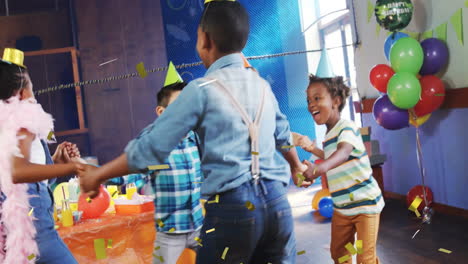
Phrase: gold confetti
(417, 213)
(216, 200)
(445, 250)
(209, 231)
(161, 259)
(255, 153)
(249, 205)
(199, 240)
(171, 230)
(100, 248)
(31, 257)
(287, 147)
(89, 200)
(160, 223)
(343, 258)
(109, 243)
(31, 211)
(159, 167)
(56, 227)
(51, 135)
(140, 67)
(351, 196)
(358, 181)
(301, 252)
(415, 204)
(350, 248)
(223, 257)
(158, 247)
(359, 246)
(301, 179)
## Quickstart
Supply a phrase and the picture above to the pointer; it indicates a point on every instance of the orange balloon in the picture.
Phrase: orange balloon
(319, 195)
(95, 207)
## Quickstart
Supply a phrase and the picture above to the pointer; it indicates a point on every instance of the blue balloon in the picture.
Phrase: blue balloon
(326, 207)
(391, 39)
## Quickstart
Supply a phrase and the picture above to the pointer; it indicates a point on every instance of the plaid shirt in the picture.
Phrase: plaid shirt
(177, 189)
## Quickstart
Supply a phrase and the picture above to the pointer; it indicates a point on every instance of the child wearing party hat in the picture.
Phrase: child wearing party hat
(176, 185)
(27, 233)
(242, 131)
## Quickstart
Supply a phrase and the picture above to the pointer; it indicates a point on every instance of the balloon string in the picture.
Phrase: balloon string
(420, 163)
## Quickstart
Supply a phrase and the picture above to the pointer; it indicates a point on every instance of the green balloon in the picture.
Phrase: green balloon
(406, 55)
(404, 90)
(393, 15)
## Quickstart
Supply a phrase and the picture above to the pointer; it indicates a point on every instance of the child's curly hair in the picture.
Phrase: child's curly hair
(335, 86)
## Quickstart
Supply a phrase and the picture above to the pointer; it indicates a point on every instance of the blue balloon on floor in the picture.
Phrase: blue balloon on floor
(326, 207)
(391, 39)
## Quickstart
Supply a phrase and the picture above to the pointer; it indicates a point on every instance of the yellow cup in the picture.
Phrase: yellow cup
(67, 218)
(130, 192)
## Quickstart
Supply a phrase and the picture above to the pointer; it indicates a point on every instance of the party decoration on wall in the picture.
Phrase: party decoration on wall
(393, 15)
(441, 32)
(457, 23)
(370, 10)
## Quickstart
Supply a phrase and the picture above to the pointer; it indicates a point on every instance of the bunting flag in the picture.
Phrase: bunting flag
(370, 10)
(441, 32)
(457, 23)
(426, 35)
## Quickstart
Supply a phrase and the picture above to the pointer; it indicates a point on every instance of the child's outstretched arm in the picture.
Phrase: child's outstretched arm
(26, 172)
(308, 145)
(336, 159)
(91, 178)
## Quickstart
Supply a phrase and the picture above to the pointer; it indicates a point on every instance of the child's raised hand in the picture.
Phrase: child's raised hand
(65, 152)
(303, 142)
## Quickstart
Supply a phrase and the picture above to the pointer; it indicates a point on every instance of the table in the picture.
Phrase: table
(132, 239)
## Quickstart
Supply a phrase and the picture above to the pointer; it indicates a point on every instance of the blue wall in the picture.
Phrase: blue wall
(274, 29)
(444, 146)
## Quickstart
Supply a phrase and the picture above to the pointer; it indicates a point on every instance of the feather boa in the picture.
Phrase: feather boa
(17, 231)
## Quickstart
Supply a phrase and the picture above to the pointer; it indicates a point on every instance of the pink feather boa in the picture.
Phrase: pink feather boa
(17, 231)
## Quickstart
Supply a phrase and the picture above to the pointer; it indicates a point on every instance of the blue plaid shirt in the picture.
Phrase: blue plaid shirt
(177, 189)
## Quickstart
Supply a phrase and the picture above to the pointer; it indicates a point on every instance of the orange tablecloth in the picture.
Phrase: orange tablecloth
(132, 238)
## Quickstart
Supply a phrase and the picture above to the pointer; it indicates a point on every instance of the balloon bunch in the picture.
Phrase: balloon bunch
(411, 91)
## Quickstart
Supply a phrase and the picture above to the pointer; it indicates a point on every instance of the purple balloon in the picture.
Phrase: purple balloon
(389, 116)
(435, 56)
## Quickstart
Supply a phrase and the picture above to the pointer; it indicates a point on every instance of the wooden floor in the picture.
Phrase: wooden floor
(395, 244)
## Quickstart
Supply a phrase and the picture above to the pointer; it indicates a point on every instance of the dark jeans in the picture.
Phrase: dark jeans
(52, 250)
(261, 236)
